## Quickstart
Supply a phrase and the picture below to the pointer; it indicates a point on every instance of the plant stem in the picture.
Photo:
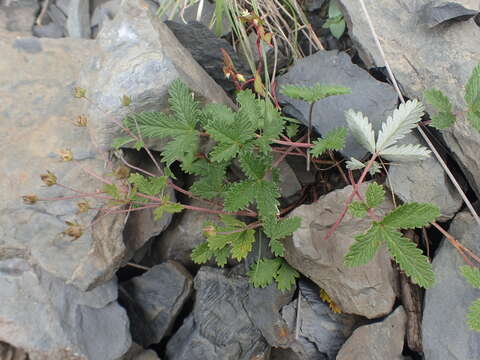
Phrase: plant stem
(309, 132)
(349, 199)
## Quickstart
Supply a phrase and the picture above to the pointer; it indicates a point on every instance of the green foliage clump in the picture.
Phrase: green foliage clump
(445, 116)
(387, 230)
(244, 138)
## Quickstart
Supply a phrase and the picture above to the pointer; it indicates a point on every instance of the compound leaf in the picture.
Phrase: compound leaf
(277, 247)
(411, 215)
(334, 140)
(409, 257)
(183, 104)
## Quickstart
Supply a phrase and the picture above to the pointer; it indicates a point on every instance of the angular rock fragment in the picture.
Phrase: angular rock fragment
(154, 300)
(221, 326)
(379, 341)
(139, 57)
(367, 290)
(48, 319)
(38, 114)
(424, 181)
(18, 15)
(373, 98)
(435, 13)
(78, 20)
(206, 49)
(445, 333)
(321, 331)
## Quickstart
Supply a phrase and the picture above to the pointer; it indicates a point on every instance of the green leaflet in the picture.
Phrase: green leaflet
(358, 209)
(375, 195)
(313, 93)
(473, 315)
(365, 247)
(334, 140)
(148, 186)
(265, 271)
(409, 257)
(472, 90)
(438, 100)
(411, 215)
(472, 275)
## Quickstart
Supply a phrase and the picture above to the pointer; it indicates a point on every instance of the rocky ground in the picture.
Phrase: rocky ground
(79, 300)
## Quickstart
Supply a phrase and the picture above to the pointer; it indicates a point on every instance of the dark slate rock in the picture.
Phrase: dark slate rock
(50, 30)
(222, 325)
(373, 98)
(434, 14)
(321, 331)
(57, 15)
(445, 334)
(154, 300)
(205, 48)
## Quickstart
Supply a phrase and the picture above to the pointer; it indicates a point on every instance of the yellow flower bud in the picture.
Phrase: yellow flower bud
(49, 178)
(30, 199)
(66, 154)
(79, 92)
(74, 230)
(83, 206)
(80, 121)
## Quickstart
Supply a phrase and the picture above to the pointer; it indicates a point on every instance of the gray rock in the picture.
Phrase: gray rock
(312, 5)
(220, 326)
(373, 98)
(424, 181)
(416, 63)
(51, 320)
(367, 290)
(50, 30)
(105, 11)
(177, 242)
(434, 14)
(205, 48)
(8, 352)
(57, 15)
(138, 57)
(38, 108)
(284, 354)
(78, 21)
(444, 330)
(379, 341)
(136, 352)
(321, 331)
(18, 16)
(154, 300)
(63, 5)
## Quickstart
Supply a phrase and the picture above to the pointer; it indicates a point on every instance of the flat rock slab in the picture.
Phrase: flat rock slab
(154, 300)
(37, 77)
(379, 341)
(139, 57)
(223, 325)
(50, 320)
(367, 290)
(424, 181)
(373, 98)
(421, 58)
(445, 334)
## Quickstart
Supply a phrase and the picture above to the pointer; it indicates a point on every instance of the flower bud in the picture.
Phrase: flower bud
(80, 121)
(74, 230)
(83, 206)
(30, 199)
(66, 154)
(79, 92)
(49, 178)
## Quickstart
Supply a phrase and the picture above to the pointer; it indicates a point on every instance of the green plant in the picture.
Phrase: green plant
(335, 21)
(472, 275)
(445, 116)
(242, 138)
